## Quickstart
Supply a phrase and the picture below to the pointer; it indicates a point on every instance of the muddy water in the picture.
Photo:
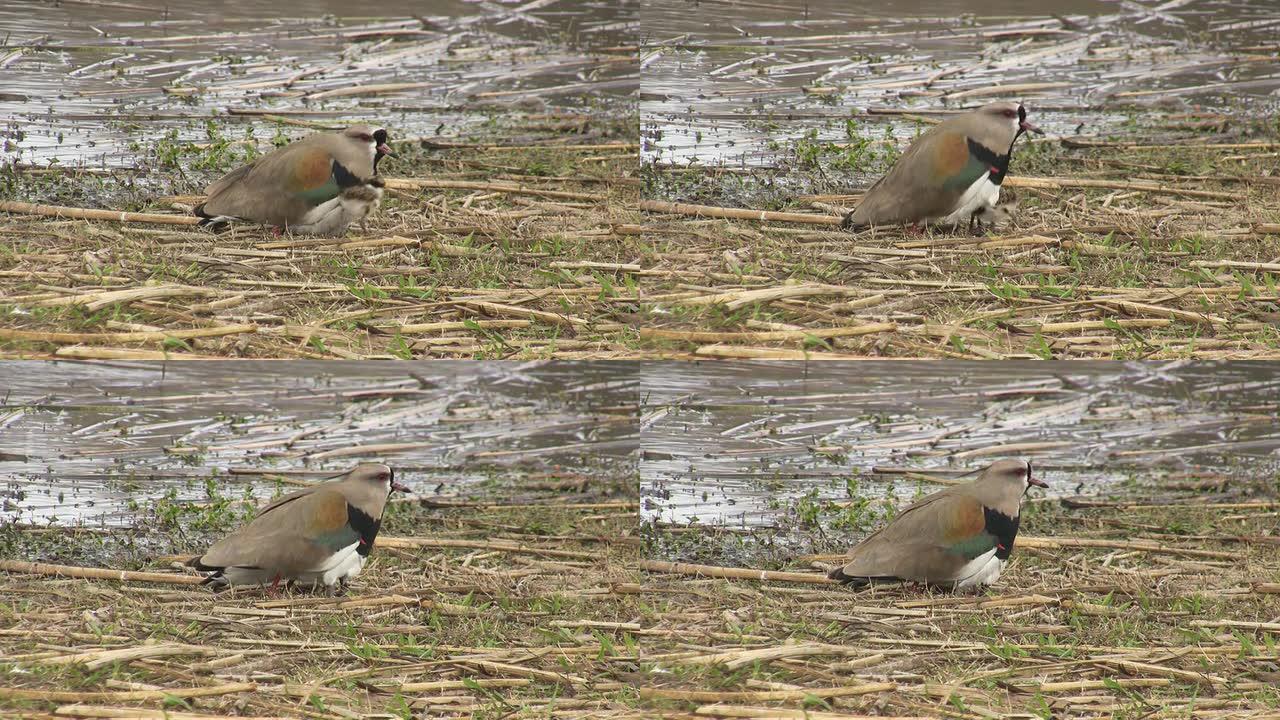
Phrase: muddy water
(729, 83)
(737, 445)
(80, 81)
(79, 441)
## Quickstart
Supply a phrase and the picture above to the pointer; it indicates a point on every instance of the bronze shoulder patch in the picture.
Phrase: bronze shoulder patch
(964, 519)
(330, 510)
(952, 155)
(311, 171)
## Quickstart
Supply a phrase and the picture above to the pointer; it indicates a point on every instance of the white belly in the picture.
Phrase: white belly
(981, 194)
(342, 565)
(333, 216)
(982, 570)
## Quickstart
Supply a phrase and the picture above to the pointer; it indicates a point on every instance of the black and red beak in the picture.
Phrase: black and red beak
(1025, 126)
(383, 148)
(1033, 480)
(397, 486)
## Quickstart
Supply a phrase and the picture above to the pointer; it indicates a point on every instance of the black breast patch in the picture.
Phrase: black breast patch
(366, 526)
(998, 164)
(345, 178)
(1003, 528)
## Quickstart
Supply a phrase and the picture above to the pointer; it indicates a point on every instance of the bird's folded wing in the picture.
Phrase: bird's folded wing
(928, 537)
(297, 536)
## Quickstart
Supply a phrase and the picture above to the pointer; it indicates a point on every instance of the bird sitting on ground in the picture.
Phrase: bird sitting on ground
(950, 175)
(957, 538)
(318, 185)
(320, 535)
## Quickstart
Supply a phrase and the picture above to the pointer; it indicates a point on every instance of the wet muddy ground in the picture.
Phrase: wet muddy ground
(1140, 608)
(87, 84)
(118, 444)
(511, 198)
(1142, 226)
(759, 462)
(773, 86)
(1143, 583)
(513, 606)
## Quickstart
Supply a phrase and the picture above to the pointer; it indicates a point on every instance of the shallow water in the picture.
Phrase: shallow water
(79, 441)
(81, 81)
(727, 83)
(736, 445)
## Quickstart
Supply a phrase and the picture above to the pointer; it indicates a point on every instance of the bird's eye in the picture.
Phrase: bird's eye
(1010, 114)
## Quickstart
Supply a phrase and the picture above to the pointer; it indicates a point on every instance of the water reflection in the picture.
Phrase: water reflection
(736, 445)
(730, 83)
(81, 84)
(81, 442)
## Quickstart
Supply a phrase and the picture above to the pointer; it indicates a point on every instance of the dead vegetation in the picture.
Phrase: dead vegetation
(509, 229)
(480, 609)
(1114, 609)
(1128, 250)
(486, 250)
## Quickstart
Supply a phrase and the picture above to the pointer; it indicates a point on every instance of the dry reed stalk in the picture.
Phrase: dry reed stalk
(95, 659)
(500, 668)
(126, 713)
(765, 336)
(1055, 543)
(492, 308)
(711, 211)
(93, 214)
(764, 695)
(763, 353)
(419, 184)
(461, 684)
(96, 353)
(125, 337)
(1058, 183)
(735, 299)
(72, 571)
(124, 695)
(418, 542)
(768, 713)
(733, 573)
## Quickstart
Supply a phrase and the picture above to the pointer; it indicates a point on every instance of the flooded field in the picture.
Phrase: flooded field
(512, 183)
(771, 87)
(92, 83)
(90, 444)
(795, 450)
(1141, 226)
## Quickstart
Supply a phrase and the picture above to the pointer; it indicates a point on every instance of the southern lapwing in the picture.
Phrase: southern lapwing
(317, 185)
(956, 538)
(320, 535)
(950, 175)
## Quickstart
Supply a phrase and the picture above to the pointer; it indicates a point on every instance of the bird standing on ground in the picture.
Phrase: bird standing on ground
(320, 535)
(950, 174)
(958, 537)
(317, 185)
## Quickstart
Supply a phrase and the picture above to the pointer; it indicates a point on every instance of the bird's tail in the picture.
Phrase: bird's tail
(848, 223)
(217, 223)
(839, 576)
